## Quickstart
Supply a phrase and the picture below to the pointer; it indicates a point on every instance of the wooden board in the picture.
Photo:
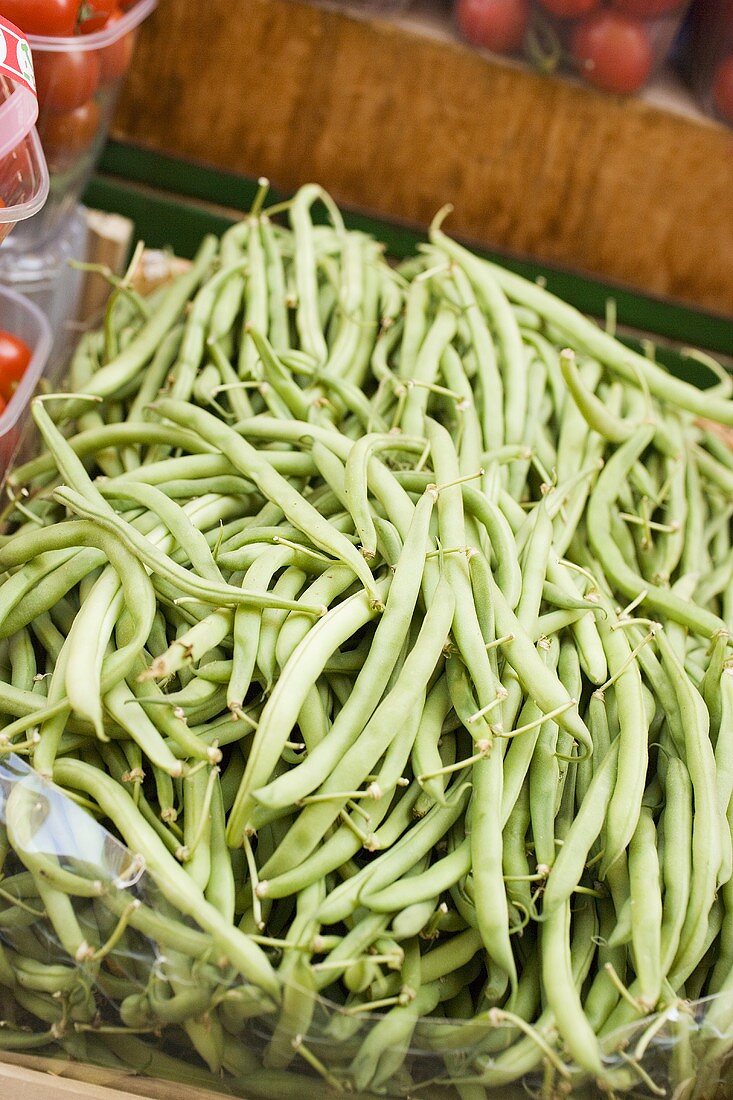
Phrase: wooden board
(398, 118)
(24, 1077)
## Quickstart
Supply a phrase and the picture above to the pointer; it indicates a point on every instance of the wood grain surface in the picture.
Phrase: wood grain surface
(398, 121)
(26, 1077)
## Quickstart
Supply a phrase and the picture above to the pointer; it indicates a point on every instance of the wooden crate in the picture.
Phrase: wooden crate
(398, 118)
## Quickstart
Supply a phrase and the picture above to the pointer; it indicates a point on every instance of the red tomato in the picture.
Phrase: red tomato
(498, 25)
(723, 88)
(115, 58)
(647, 9)
(570, 9)
(614, 51)
(94, 14)
(15, 355)
(65, 80)
(66, 134)
(46, 17)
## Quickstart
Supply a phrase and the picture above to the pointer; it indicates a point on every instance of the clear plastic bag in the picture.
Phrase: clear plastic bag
(97, 961)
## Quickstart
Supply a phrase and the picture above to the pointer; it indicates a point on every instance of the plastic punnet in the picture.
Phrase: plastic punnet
(24, 320)
(79, 80)
(23, 173)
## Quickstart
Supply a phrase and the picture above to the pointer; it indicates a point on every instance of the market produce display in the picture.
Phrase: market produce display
(383, 614)
(82, 51)
(615, 45)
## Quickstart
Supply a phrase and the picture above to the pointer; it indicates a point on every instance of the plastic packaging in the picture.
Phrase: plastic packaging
(79, 80)
(98, 960)
(23, 172)
(614, 45)
(49, 281)
(25, 320)
(708, 56)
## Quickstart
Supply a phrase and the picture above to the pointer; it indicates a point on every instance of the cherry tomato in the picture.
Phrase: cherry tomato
(723, 88)
(115, 59)
(94, 14)
(46, 17)
(66, 134)
(614, 51)
(65, 80)
(570, 9)
(15, 355)
(498, 25)
(647, 9)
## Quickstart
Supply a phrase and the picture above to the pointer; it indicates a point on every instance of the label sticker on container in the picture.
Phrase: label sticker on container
(16, 61)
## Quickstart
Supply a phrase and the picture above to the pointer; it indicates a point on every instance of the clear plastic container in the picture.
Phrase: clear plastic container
(78, 82)
(26, 321)
(47, 278)
(708, 56)
(614, 45)
(23, 173)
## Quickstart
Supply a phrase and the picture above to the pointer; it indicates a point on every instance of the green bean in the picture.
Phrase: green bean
(425, 369)
(22, 660)
(427, 762)
(492, 389)
(706, 846)
(174, 883)
(513, 365)
(398, 859)
(567, 869)
(485, 848)
(127, 363)
(378, 732)
(188, 537)
(155, 375)
(307, 320)
(536, 678)
(409, 891)
(273, 629)
(215, 593)
(90, 633)
(271, 484)
(628, 364)
(562, 994)
(27, 579)
(536, 553)
(245, 629)
(357, 477)
(285, 703)
(724, 743)
(625, 803)
(646, 900)
(593, 410)
(683, 611)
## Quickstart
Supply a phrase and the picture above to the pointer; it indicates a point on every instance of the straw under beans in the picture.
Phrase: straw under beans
(383, 612)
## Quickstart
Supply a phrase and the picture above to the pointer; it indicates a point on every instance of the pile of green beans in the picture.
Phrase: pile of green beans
(383, 614)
